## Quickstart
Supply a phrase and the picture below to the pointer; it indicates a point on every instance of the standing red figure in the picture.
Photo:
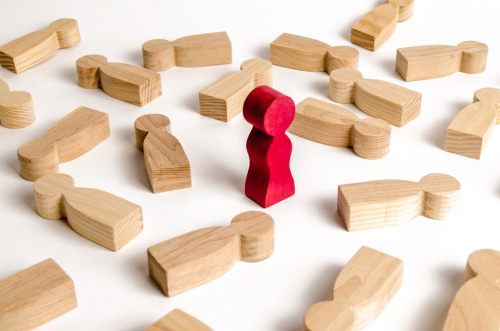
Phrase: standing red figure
(269, 179)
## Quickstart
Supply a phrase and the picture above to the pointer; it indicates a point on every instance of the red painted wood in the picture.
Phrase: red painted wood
(269, 178)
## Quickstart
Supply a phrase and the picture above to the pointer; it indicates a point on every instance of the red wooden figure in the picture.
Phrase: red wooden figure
(269, 179)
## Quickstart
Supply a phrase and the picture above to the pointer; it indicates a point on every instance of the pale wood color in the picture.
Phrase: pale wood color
(332, 125)
(224, 99)
(99, 216)
(390, 102)
(307, 54)
(177, 320)
(72, 136)
(376, 27)
(36, 47)
(196, 258)
(16, 108)
(472, 129)
(35, 296)
(166, 162)
(193, 51)
(435, 61)
(476, 305)
(122, 81)
(384, 203)
(361, 291)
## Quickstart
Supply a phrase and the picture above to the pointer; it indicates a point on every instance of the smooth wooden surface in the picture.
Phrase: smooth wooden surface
(36, 47)
(390, 102)
(361, 291)
(472, 129)
(308, 54)
(72, 136)
(16, 108)
(122, 81)
(332, 125)
(269, 179)
(198, 257)
(384, 203)
(177, 320)
(477, 304)
(166, 162)
(224, 99)
(435, 61)
(99, 216)
(35, 296)
(376, 27)
(193, 51)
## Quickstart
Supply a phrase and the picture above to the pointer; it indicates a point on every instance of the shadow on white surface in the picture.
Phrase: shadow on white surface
(436, 134)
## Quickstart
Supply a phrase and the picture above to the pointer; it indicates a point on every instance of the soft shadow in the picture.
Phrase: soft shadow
(135, 58)
(136, 161)
(192, 103)
(322, 87)
(436, 134)
(389, 66)
(13, 163)
(264, 52)
(328, 207)
(69, 74)
(29, 200)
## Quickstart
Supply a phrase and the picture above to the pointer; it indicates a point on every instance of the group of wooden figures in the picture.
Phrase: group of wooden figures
(367, 283)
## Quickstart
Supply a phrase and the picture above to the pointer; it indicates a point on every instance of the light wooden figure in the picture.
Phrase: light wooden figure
(36, 47)
(333, 125)
(72, 136)
(390, 102)
(99, 216)
(16, 108)
(35, 296)
(435, 61)
(122, 81)
(224, 99)
(384, 203)
(196, 258)
(177, 320)
(472, 129)
(166, 162)
(193, 51)
(476, 305)
(376, 27)
(307, 54)
(361, 291)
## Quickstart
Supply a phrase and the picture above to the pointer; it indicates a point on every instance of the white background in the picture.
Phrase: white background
(114, 289)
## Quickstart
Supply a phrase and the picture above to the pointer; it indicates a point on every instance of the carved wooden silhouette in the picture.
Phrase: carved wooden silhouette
(16, 108)
(99, 216)
(71, 137)
(177, 320)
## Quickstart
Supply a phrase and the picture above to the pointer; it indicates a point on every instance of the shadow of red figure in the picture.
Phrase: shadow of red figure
(269, 179)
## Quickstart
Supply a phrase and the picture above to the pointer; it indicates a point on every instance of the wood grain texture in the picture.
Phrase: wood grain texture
(472, 129)
(390, 102)
(224, 99)
(72, 136)
(122, 81)
(36, 47)
(301, 53)
(177, 320)
(35, 296)
(476, 305)
(193, 51)
(384, 203)
(332, 125)
(166, 162)
(376, 27)
(99, 216)
(16, 108)
(435, 61)
(269, 179)
(198, 257)
(362, 290)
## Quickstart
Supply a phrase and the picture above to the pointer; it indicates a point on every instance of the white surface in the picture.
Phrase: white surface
(114, 290)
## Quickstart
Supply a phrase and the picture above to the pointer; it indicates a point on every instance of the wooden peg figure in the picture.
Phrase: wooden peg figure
(193, 51)
(99, 216)
(167, 165)
(16, 108)
(361, 291)
(36, 47)
(132, 84)
(472, 129)
(177, 320)
(269, 179)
